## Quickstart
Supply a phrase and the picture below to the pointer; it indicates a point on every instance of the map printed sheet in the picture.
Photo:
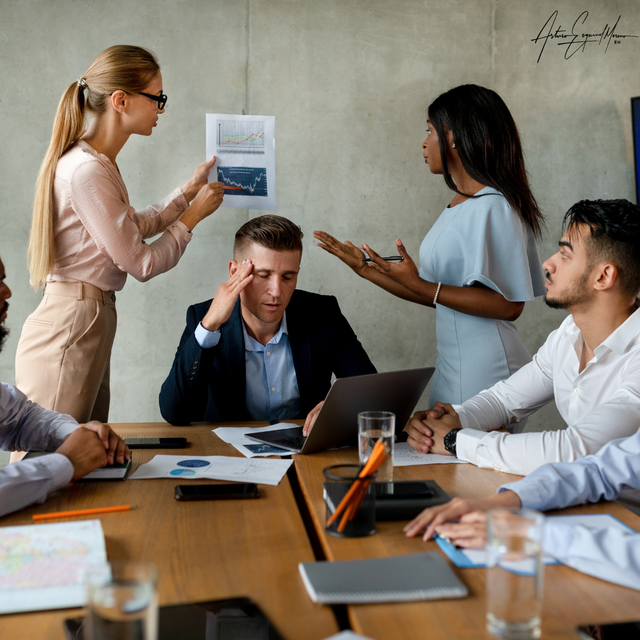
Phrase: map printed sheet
(42, 566)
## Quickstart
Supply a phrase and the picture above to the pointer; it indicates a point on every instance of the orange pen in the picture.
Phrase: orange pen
(80, 512)
(234, 188)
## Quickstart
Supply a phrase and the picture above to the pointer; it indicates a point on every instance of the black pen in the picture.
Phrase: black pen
(386, 259)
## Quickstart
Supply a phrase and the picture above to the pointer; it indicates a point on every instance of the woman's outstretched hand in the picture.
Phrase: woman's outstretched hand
(205, 197)
(198, 180)
(345, 251)
(404, 272)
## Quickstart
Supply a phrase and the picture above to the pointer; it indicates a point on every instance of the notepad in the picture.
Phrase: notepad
(115, 471)
(418, 576)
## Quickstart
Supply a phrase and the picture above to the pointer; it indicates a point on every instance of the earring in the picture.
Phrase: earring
(454, 145)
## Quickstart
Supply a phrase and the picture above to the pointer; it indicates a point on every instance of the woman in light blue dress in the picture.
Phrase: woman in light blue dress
(479, 262)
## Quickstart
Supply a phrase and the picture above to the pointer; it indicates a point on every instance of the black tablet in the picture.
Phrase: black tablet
(234, 618)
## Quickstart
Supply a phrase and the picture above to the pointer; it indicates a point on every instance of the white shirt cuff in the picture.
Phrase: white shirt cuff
(206, 339)
(467, 442)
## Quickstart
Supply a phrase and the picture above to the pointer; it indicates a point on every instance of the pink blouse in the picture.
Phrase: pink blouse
(98, 236)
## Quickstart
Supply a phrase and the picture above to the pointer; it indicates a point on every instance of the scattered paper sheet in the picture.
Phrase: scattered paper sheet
(404, 455)
(245, 151)
(213, 468)
(42, 566)
(236, 437)
(466, 558)
(348, 635)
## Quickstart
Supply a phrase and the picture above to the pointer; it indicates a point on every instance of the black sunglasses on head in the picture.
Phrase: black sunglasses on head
(161, 99)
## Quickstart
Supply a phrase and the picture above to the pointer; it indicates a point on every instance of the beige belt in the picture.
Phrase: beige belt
(79, 290)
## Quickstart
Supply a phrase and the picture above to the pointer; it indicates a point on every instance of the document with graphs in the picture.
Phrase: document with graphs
(245, 152)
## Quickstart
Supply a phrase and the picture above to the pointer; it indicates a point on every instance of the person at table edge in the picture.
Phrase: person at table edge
(605, 552)
(590, 365)
(26, 426)
(261, 349)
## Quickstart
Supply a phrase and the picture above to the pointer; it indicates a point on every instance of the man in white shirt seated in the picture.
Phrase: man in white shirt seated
(26, 426)
(590, 365)
(261, 349)
(607, 553)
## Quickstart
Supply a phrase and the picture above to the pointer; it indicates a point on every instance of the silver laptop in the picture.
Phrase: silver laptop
(337, 422)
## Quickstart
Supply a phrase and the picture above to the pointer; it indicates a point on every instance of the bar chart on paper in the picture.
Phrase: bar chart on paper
(234, 136)
(252, 180)
(245, 151)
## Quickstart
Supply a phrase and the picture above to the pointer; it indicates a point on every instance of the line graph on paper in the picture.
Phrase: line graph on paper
(237, 136)
(253, 180)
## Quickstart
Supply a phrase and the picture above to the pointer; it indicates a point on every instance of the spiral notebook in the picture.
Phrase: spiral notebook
(417, 576)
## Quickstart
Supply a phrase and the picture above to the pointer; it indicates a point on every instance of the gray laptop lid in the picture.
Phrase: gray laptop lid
(337, 422)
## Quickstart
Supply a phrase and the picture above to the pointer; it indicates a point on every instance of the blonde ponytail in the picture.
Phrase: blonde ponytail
(124, 67)
(67, 128)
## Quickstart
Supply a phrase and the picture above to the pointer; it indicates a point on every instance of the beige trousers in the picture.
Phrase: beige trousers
(63, 355)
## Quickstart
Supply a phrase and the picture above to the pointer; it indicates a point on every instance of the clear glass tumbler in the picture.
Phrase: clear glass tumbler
(122, 601)
(374, 426)
(514, 573)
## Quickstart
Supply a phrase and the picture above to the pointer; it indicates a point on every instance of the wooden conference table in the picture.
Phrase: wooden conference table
(222, 549)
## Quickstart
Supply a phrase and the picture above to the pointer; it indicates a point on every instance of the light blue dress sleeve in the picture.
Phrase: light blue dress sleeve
(607, 553)
(484, 240)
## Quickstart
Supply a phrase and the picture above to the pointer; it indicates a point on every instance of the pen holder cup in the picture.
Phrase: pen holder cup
(353, 498)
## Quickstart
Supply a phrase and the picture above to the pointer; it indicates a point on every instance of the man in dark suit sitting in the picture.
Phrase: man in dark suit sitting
(261, 350)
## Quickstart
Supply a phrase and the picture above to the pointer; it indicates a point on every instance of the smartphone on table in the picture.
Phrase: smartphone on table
(156, 443)
(238, 491)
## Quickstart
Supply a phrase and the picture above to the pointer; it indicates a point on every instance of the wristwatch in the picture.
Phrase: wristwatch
(450, 441)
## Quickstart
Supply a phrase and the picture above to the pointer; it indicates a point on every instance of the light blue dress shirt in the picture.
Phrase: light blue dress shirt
(271, 383)
(26, 426)
(610, 554)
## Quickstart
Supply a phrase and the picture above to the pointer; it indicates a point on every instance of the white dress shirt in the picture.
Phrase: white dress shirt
(610, 554)
(25, 426)
(599, 404)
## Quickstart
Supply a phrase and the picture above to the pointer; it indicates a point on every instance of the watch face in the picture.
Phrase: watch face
(450, 441)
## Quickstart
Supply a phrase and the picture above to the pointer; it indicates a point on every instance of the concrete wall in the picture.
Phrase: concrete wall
(348, 82)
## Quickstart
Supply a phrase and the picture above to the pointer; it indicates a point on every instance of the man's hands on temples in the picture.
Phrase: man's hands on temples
(227, 296)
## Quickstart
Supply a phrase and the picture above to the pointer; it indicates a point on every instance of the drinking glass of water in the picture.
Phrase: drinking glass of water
(514, 573)
(122, 601)
(373, 426)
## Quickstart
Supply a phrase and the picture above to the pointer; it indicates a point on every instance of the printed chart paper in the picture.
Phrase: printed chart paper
(214, 468)
(404, 455)
(236, 436)
(245, 152)
(42, 566)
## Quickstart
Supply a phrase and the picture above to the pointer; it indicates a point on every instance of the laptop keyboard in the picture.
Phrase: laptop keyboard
(292, 441)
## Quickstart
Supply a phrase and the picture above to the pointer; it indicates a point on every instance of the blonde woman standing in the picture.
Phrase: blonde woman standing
(86, 237)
